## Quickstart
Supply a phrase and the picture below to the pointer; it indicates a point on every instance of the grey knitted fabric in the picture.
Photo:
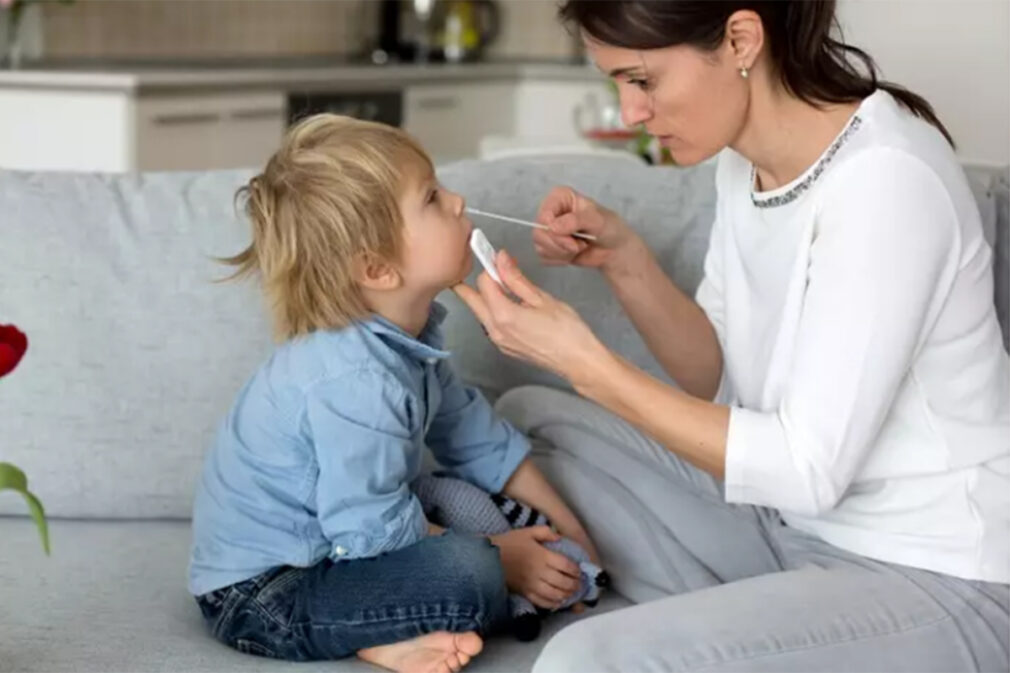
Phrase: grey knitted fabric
(459, 505)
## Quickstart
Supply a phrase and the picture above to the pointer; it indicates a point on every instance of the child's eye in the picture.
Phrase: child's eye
(432, 196)
(642, 84)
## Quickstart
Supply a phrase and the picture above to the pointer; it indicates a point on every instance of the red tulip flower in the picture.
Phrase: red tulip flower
(13, 344)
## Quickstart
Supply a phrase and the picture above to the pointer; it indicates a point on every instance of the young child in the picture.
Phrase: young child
(307, 541)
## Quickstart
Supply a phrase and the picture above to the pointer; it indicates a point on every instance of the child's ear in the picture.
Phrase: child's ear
(375, 273)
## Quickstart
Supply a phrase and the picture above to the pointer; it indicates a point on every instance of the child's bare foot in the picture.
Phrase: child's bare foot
(440, 652)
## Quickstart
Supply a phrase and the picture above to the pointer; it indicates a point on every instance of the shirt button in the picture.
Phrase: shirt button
(432, 361)
(340, 551)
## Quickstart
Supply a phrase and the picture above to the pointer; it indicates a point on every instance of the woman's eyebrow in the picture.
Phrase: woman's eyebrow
(627, 70)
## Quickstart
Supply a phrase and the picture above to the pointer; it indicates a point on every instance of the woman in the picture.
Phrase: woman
(828, 488)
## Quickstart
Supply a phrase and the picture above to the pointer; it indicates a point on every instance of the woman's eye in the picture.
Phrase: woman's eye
(432, 196)
(642, 84)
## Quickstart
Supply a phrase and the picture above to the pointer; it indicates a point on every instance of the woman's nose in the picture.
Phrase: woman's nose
(459, 205)
(635, 110)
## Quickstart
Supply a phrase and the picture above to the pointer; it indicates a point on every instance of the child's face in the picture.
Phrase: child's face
(436, 251)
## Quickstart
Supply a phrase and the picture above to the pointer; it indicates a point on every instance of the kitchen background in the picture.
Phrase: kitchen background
(124, 85)
(168, 29)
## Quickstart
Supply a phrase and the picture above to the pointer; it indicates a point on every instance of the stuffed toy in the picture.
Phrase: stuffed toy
(463, 507)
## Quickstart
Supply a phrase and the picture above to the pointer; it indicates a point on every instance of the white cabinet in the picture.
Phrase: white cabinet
(121, 123)
(118, 131)
(546, 109)
(65, 130)
(208, 131)
(450, 119)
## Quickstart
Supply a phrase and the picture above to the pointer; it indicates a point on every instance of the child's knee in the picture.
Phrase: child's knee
(478, 578)
(476, 560)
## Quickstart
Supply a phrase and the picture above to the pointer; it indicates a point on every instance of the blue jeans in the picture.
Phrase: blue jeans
(331, 610)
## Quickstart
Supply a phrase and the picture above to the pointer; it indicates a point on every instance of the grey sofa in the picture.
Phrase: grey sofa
(136, 353)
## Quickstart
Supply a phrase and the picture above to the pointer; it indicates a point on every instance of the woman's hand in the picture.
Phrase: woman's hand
(539, 328)
(545, 577)
(566, 211)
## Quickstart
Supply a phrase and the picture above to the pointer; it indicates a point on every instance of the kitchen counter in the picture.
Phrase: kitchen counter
(196, 78)
(119, 117)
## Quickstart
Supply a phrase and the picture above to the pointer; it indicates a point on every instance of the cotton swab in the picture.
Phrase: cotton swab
(525, 223)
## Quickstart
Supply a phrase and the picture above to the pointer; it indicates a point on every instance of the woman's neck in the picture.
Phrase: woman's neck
(784, 135)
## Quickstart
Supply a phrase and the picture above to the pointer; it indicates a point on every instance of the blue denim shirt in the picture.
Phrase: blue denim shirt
(316, 456)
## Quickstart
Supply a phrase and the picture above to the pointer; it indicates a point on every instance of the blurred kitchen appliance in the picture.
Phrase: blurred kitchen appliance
(436, 30)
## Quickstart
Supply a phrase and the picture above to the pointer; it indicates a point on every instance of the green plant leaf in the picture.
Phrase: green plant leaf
(11, 478)
(39, 515)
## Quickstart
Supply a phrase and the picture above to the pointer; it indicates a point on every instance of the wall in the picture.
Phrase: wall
(530, 29)
(956, 53)
(161, 29)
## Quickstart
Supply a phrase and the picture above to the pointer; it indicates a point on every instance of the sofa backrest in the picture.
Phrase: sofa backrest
(136, 353)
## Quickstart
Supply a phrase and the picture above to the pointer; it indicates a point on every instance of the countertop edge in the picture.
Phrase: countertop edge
(290, 78)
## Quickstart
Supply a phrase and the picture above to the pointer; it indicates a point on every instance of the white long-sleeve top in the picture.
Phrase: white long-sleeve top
(863, 362)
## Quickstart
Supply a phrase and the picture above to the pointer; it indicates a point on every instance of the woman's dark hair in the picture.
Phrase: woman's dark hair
(813, 64)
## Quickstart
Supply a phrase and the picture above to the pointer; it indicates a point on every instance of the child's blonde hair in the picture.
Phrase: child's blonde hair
(328, 198)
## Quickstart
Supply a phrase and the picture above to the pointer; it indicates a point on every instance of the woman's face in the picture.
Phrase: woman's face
(694, 102)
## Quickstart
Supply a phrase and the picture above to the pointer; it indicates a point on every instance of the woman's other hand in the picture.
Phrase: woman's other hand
(538, 328)
(566, 212)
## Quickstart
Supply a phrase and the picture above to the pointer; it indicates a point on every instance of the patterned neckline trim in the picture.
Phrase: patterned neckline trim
(799, 188)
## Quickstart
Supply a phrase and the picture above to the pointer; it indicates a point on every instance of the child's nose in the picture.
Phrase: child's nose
(459, 205)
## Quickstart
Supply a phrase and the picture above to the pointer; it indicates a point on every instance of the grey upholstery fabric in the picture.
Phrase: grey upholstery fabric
(135, 352)
(112, 598)
(992, 190)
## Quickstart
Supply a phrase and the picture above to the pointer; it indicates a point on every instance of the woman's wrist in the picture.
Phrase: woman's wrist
(594, 369)
(625, 260)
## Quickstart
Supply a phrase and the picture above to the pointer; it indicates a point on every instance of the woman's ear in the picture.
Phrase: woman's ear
(745, 37)
(374, 273)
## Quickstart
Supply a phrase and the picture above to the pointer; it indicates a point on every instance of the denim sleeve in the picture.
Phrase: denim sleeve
(360, 428)
(469, 439)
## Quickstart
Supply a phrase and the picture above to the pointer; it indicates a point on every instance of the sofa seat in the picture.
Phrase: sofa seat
(113, 596)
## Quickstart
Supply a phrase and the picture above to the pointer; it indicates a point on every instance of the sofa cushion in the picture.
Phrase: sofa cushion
(112, 597)
(135, 352)
(992, 191)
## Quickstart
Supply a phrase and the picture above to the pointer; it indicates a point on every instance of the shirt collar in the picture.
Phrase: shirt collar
(428, 344)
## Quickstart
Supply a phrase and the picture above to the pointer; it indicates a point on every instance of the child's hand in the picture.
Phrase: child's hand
(544, 577)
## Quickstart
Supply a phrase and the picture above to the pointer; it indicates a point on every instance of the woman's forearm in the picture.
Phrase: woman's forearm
(694, 429)
(675, 329)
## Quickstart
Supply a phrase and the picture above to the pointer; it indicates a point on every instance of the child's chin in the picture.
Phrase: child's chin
(467, 268)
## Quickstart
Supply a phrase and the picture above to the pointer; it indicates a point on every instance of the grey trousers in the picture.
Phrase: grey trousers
(723, 587)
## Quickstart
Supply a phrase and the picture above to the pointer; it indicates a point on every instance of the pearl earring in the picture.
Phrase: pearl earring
(744, 73)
